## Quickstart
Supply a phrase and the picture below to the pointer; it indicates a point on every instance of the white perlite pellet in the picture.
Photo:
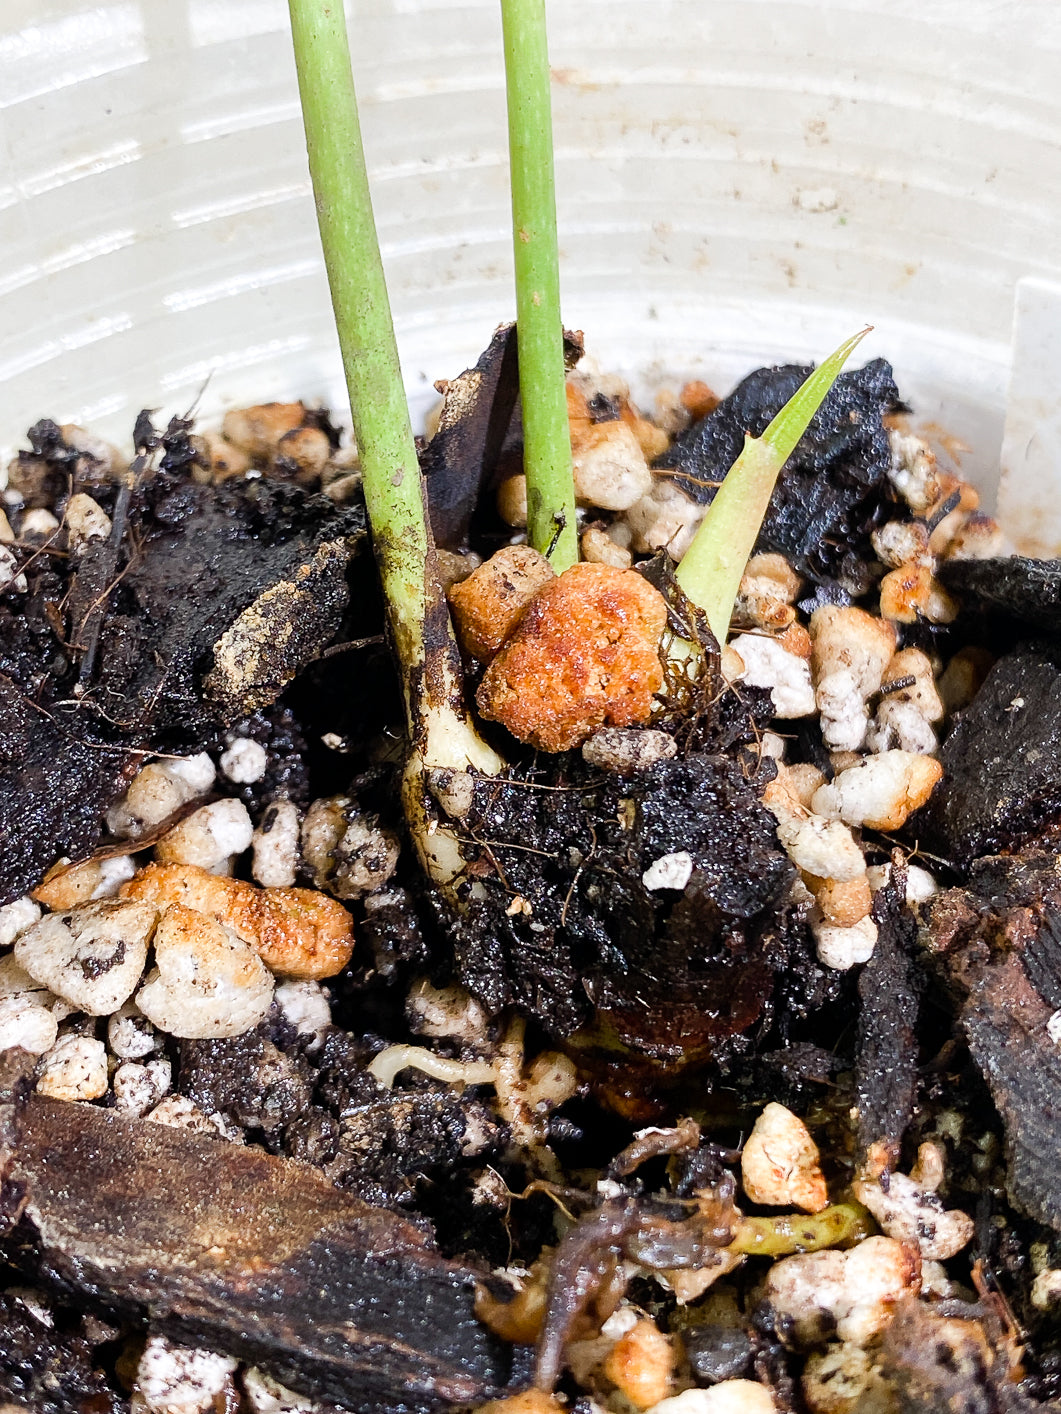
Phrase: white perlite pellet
(609, 467)
(910, 1212)
(113, 873)
(267, 1396)
(880, 791)
(207, 981)
(129, 1033)
(841, 948)
(26, 1023)
(768, 663)
(177, 1379)
(728, 1397)
(854, 1293)
(86, 520)
(446, 1013)
(160, 788)
(209, 837)
(139, 1088)
(244, 761)
(305, 1006)
(350, 854)
(15, 918)
(92, 957)
(779, 1163)
(671, 871)
(920, 885)
(74, 1069)
(276, 845)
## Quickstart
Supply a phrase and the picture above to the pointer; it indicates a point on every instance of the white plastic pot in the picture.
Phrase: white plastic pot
(740, 181)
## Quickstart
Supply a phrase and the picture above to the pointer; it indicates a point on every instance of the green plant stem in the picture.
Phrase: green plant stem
(362, 314)
(551, 526)
(711, 569)
(421, 632)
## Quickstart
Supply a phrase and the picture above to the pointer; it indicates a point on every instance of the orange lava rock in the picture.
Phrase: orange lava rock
(257, 430)
(488, 605)
(698, 399)
(641, 1364)
(530, 1401)
(295, 932)
(585, 656)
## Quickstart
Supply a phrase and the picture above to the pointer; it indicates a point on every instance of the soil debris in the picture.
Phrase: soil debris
(887, 1052)
(196, 608)
(675, 973)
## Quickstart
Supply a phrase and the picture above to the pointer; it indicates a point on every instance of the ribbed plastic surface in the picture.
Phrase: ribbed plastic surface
(738, 182)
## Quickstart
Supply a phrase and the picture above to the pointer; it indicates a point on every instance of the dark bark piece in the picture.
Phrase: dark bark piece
(1001, 785)
(480, 419)
(236, 587)
(461, 458)
(231, 1249)
(834, 488)
(886, 1063)
(1005, 1022)
(998, 939)
(1012, 588)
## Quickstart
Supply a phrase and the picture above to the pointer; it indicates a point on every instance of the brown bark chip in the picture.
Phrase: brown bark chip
(585, 656)
(243, 1253)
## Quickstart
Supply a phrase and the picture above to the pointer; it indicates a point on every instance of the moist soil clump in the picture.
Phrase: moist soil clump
(557, 1130)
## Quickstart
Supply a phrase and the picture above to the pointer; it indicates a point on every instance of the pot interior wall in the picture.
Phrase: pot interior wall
(740, 181)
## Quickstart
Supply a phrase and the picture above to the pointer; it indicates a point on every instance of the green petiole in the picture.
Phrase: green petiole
(841, 1225)
(440, 734)
(711, 569)
(551, 526)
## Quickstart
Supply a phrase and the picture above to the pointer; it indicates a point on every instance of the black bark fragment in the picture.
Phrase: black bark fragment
(460, 460)
(997, 940)
(480, 420)
(834, 488)
(232, 1249)
(1012, 589)
(886, 1063)
(237, 586)
(1001, 785)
